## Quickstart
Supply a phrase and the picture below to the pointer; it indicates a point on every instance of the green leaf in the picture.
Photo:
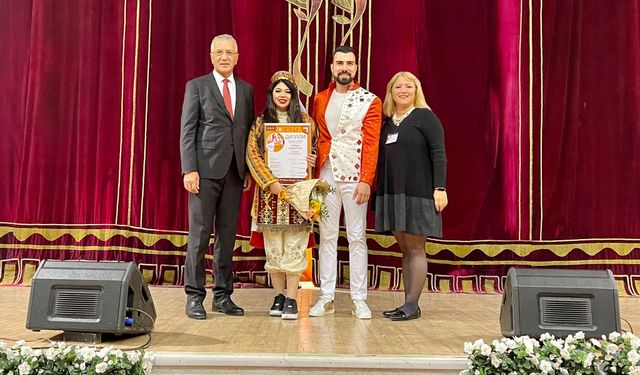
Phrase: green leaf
(301, 3)
(342, 20)
(346, 5)
(300, 14)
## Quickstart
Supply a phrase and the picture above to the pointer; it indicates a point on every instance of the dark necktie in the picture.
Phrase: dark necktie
(226, 94)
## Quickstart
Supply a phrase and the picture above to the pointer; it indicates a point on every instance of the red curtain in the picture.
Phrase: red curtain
(539, 101)
(591, 132)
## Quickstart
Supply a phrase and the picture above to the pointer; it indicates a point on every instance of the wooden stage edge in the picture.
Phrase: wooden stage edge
(258, 344)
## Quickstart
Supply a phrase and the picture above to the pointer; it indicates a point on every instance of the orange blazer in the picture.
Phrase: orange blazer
(370, 133)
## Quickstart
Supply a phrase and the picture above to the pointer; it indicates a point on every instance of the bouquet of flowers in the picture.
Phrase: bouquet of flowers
(615, 354)
(71, 359)
(307, 197)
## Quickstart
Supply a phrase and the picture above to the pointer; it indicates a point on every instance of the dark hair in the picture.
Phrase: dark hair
(295, 114)
(344, 49)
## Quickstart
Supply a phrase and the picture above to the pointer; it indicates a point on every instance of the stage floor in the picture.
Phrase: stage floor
(448, 321)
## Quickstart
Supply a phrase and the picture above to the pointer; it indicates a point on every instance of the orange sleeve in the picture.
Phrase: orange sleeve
(371, 139)
(324, 138)
(255, 156)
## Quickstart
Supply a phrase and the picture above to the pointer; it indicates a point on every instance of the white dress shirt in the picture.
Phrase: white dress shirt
(232, 88)
(334, 111)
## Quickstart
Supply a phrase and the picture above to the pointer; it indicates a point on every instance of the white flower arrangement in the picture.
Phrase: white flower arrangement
(61, 358)
(615, 354)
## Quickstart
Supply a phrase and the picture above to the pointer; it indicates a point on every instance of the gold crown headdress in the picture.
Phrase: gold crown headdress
(283, 74)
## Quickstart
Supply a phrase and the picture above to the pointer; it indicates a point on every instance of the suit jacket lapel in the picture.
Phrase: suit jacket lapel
(239, 95)
(215, 91)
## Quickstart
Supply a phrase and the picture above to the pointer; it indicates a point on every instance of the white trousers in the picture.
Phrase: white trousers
(355, 217)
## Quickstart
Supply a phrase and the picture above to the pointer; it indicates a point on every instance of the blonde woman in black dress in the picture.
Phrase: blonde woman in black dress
(411, 191)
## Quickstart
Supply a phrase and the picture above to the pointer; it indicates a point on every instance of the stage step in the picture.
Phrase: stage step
(270, 363)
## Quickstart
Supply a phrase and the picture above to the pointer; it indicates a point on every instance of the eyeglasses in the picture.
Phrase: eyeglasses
(219, 53)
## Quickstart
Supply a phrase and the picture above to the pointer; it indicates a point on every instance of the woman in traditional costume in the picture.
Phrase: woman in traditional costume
(285, 231)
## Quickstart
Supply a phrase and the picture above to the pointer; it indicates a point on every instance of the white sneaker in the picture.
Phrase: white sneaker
(360, 309)
(323, 307)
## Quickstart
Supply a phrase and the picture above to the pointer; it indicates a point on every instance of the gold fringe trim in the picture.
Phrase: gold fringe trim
(537, 263)
(240, 244)
(522, 250)
(461, 249)
(494, 249)
(103, 234)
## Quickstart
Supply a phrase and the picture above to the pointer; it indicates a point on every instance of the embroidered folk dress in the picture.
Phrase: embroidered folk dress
(285, 231)
(411, 164)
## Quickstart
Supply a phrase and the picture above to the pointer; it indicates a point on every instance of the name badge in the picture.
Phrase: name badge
(391, 138)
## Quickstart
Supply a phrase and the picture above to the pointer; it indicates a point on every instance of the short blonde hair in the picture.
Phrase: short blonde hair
(389, 106)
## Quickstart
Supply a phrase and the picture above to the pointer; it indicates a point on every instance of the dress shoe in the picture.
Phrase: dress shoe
(388, 313)
(195, 310)
(226, 305)
(401, 315)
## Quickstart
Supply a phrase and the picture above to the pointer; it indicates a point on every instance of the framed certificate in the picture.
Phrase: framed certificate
(286, 148)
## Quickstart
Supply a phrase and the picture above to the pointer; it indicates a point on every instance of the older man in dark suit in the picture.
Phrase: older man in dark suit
(216, 117)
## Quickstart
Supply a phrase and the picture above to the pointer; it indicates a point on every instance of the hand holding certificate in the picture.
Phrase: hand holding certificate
(287, 147)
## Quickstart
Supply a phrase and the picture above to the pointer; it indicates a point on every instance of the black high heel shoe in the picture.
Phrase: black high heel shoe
(388, 313)
(401, 315)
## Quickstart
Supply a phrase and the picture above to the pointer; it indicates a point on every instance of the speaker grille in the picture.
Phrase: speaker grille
(566, 311)
(76, 303)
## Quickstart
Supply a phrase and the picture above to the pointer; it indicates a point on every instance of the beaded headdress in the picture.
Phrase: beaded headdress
(283, 74)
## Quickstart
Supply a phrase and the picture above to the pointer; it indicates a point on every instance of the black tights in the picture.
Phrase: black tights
(414, 268)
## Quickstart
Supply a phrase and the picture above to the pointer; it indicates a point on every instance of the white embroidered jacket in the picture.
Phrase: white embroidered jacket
(346, 144)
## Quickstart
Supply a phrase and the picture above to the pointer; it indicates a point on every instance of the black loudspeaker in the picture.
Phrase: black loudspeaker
(86, 299)
(559, 301)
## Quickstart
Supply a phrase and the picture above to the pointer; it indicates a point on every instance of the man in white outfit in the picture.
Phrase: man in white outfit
(348, 119)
